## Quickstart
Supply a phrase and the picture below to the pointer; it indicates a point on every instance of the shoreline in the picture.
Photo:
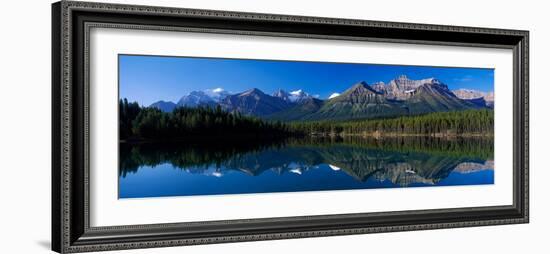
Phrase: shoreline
(397, 135)
(375, 135)
(213, 139)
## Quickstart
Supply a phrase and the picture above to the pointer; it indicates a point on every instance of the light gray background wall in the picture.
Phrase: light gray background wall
(25, 125)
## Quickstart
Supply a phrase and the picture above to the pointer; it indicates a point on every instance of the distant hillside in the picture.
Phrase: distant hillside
(299, 111)
(164, 106)
(476, 96)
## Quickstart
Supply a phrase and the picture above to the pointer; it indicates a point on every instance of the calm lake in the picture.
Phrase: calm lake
(312, 164)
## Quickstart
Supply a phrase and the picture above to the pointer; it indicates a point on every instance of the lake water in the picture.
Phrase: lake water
(238, 167)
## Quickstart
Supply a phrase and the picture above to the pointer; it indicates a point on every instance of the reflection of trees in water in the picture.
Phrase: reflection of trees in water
(186, 155)
(481, 148)
(403, 160)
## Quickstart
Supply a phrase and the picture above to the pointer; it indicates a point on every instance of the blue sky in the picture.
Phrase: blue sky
(147, 79)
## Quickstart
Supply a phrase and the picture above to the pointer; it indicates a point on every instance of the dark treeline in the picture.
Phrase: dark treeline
(183, 123)
(127, 113)
(445, 123)
(151, 123)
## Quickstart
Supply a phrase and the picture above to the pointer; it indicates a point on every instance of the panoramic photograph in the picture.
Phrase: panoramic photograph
(210, 126)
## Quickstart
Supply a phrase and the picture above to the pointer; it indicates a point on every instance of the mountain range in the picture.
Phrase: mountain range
(476, 96)
(254, 102)
(294, 96)
(400, 96)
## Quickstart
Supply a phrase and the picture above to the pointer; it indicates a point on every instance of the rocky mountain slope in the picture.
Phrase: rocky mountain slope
(402, 88)
(359, 101)
(435, 97)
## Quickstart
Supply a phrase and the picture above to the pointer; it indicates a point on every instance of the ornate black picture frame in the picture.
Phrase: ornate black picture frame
(71, 231)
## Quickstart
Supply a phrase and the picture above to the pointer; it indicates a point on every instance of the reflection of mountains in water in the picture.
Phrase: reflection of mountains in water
(403, 161)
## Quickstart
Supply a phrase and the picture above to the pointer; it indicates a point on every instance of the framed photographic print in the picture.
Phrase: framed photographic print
(181, 126)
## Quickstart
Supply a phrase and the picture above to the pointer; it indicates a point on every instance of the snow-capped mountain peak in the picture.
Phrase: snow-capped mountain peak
(281, 94)
(294, 96)
(217, 94)
(298, 95)
(195, 98)
(218, 90)
(198, 96)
